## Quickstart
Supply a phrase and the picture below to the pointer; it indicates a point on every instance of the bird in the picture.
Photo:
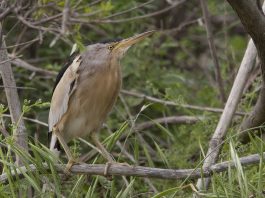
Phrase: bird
(85, 91)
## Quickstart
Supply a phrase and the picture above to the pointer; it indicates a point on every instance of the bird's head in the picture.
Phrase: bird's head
(118, 49)
(113, 50)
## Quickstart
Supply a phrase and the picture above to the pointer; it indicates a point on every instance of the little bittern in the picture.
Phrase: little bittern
(85, 92)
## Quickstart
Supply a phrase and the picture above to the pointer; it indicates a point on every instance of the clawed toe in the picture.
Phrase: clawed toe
(69, 165)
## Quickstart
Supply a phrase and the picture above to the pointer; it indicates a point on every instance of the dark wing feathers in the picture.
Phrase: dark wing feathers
(58, 78)
(64, 68)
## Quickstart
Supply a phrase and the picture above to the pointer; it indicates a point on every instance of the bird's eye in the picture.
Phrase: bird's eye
(110, 47)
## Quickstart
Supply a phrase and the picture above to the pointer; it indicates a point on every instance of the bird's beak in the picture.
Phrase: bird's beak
(126, 43)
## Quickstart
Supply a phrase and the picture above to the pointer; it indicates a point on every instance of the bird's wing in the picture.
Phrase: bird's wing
(63, 91)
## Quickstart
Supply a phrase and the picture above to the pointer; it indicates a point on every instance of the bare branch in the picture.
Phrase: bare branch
(168, 120)
(170, 103)
(29, 119)
(181, 26)
(13, 100)
(244, 72)
(29, 24)
(6, 12)
(24, 43)
(65, 18)
(213, 50)
(45, 20)
(77, 20)
(21, 63)
(249, 12)
(140, 171)
(128, 10)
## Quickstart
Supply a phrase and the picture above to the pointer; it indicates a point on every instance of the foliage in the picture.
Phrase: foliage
(171, 65)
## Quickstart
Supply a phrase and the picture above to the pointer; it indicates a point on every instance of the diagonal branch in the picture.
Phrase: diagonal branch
(213, 50)
(253, 19)
(21, 63)
(251, 13)
(244, 71)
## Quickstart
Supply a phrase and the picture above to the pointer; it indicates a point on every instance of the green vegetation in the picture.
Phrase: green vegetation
(173, 65)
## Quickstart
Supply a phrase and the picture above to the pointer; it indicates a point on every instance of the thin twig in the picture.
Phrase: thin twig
(28, 119)
(181, 26)
(24, 43)
(170, 103)
(17, 87)
(213, 50)
(65, 17)
(7, 60)
(45, 20)
(140, 171)
(78, 20)
(128, 10)
(6, 12)
(21, 63)
(168, 120)
(27, 23)
(3, 129)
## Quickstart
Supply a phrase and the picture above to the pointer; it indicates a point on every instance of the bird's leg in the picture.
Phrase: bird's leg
(105, 154)
(100, 146)
(71, 159)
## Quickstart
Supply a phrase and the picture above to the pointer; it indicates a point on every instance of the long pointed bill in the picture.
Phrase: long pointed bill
(126, 43)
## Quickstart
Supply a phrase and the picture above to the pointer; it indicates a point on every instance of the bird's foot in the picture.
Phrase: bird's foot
(69, 165)
(108, 165)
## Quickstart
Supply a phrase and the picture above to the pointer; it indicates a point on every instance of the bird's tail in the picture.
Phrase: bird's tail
(55, 146)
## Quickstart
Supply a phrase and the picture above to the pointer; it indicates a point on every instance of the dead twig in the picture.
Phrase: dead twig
(170, 103)
(140, 171)
(168, 120)
(213, 50)
(244, 72)
(28, 119)
(21, 63)
(129, 10)
(13, 101)
(230, 108)
(79, 20)
(65, 17)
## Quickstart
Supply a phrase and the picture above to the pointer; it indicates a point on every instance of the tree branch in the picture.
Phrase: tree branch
(65, 17)
(13, 100)
(244, 72)
(21, 63)
(170, 103)
(213, 50)
(80, 20)
(140, 171)
(252, 17)
(168, 120)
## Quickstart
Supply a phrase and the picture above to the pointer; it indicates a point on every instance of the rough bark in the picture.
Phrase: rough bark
(253, 19)
(12, 99)
(255, 119)
(235, 95)
(140, 171)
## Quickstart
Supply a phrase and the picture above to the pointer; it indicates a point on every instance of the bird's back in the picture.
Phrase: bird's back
(95, 92)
